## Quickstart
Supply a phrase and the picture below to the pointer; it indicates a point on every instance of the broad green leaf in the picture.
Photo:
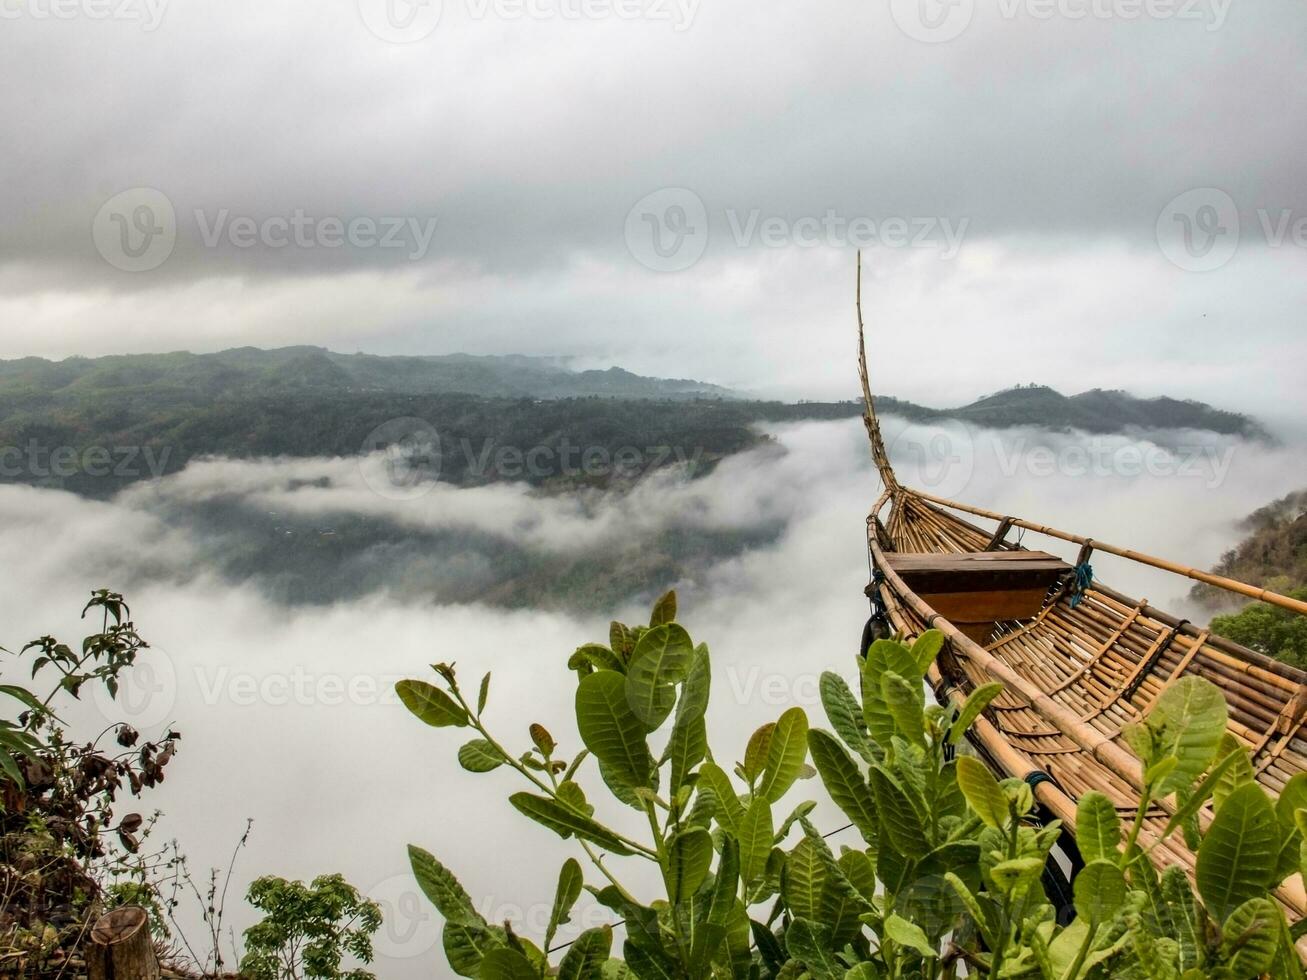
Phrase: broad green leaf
(689, 856)
(466, 945)
(609, 728)
(844, 781)
(645, 964)
(597, 656)
(906, 934)
(572, 794)
(502, 963)
(797, 814)
(687, 747)
(882, 657)
(1238, 853)
(664, 610)
(1098, 828)
(1234, 775)
(585, 958)
(972, 905)
(845, 715)
(660, 659)
(565, 821)
(1187, 722)
(443, 889)
(904, 699)
(982, 791)
(786, 750)
(1191, 803)
(803, 879)
(901, 821)
(431, 704)
(926, 649)
(755, 837)
(1017, 875)
(479, 755)
(755, 753)
(697, 685)
(1250, 936)
(810, 943)
(1100, 891)
(568, 891)
(729, 810)
(976, 703)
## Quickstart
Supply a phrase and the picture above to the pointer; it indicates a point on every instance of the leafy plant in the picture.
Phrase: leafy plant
(946, 877)
(308, 929)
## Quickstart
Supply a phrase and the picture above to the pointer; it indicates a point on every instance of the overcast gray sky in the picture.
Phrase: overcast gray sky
(1083, 192)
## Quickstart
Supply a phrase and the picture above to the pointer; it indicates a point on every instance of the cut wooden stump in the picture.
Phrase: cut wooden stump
(121, 948)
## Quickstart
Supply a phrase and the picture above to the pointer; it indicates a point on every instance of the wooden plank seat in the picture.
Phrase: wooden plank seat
(976, 590)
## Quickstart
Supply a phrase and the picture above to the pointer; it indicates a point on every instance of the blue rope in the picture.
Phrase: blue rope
(1084, 578)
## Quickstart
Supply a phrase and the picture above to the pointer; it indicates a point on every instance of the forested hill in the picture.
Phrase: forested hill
(1273, 555)
(297, 370)
(1096, 411)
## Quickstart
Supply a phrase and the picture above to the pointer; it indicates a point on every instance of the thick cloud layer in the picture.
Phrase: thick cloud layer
(287, 712)
(1016, 179)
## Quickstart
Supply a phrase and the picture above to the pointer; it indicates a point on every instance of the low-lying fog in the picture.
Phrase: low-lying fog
(287, 711)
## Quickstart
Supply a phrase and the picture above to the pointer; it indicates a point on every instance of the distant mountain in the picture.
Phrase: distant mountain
(1272, 556)
(291, 370)
(1097, 411)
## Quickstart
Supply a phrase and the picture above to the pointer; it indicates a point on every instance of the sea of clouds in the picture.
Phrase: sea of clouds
(288, 714)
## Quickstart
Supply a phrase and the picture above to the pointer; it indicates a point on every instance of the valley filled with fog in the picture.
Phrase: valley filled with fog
(285, 703)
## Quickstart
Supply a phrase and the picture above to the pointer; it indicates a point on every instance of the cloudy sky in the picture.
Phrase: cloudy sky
(1084, 192)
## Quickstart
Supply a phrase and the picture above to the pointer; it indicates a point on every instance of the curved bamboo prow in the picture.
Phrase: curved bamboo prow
(869, 418)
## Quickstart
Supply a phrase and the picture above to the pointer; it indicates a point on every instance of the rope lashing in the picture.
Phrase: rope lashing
(1082, 574)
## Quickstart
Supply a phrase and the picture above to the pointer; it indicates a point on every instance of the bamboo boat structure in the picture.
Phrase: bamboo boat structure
(1079, 660)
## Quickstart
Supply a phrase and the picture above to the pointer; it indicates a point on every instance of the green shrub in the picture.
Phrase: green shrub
(308, 929)
(948, 868)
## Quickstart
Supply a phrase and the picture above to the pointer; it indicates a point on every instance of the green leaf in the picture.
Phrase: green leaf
(978, 701)
(1238, 771)
(568, 891)
(1238, 853)
(810, 944)
(926, 649)
(443, 889)
(902, 822)
(479, 755)
(882, 657)
(483, 694)
(610, 730)
(904, 700)
(1250, 937)
(585, 958)
(565, 821)
(1098, 828)
(797, 814)
(1187, 722)
(972, 905)
(803, 879)
(661, 659)
(697, 685)
(24, 695)
(755, 837)
(503, 963)
(786, 750)
(844, 782)
(597, 656)
(982, 791)
(687, 747)
(845, 715)
(664, 610)
(466, 945)
(755, 753)
(431, 704)
(1190, 804)
(1100, 891)
(906, 934)
(730, 813)
(689, 856)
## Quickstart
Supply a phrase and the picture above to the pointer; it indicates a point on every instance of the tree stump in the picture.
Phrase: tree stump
(121, 947)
